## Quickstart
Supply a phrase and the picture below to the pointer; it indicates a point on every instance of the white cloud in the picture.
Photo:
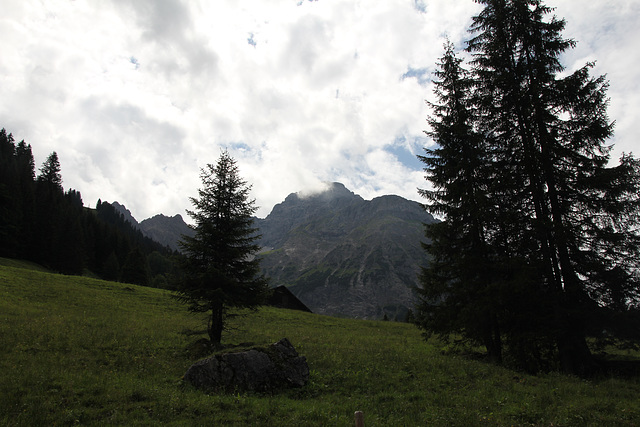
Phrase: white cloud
(607, 31)
(136, 96)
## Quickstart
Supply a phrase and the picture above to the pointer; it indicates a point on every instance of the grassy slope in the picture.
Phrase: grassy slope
(78, 350)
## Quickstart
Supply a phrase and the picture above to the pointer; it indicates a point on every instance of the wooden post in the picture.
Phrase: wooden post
(359, 419)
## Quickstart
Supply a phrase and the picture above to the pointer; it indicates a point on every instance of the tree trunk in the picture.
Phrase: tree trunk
(575, 356)
(216, 325)
(574, 353)
(492, 340)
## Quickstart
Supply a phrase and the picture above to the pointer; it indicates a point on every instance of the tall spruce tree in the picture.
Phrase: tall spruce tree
(135, 269)
(460, 173)
(220, 267)
(565, 233)
(26, 195)
(50, 172)
(557, 128)
(8, 238)
(49, 203)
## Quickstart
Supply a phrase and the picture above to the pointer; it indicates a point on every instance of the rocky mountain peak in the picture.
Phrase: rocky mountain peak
(343, 255)
(331, 191)
(166, 230)
(338, 253)
(305, 208)
(163, 229)
(126, 213)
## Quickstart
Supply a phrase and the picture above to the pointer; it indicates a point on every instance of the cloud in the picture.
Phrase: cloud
(607, 32)
(137, 96)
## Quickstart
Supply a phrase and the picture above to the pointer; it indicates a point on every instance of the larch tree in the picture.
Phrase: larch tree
(220, 266)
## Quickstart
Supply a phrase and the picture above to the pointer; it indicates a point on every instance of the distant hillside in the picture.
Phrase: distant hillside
(343, 255)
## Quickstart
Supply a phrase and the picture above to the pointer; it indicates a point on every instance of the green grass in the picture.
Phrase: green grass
(7, 262)
(76, 350)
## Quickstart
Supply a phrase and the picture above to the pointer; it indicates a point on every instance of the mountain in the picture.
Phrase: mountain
(343, 255)
(339, 254)
(165, 230)
(126, 213)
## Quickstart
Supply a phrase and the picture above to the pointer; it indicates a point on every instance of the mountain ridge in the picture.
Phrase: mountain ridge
(340, 254)
(161, 228)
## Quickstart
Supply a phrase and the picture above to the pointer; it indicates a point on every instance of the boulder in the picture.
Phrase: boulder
(261, 369)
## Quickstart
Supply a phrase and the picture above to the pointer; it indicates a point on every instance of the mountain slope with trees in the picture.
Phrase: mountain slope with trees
(167, 231)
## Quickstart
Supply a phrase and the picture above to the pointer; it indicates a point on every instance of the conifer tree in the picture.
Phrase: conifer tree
(26, 198)
(459, 170)
(50, 172)
(558, 131)
(49, 203)
(564, 231)
(7, 194)
(220, 267)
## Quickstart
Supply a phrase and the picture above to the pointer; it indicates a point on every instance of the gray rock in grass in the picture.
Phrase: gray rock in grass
(263, 369)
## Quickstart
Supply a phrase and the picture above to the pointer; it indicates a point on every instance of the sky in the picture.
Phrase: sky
(137, 96)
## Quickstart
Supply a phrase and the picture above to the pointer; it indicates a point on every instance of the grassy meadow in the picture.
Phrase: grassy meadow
(76, 350)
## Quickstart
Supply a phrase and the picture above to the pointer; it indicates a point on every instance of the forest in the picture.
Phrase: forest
(43, 223)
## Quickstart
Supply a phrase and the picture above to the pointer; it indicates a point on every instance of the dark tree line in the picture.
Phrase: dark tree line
(539, 247)
(41, 222)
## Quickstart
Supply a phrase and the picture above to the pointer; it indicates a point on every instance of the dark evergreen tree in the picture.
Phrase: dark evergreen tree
(160, 268)
(50, 172)
(111, 267)
(49, 203)
(558, 128)
(460, 171)
(220, 268)
(42, 223)
(74, 198)
(563, 237)
(69, 252)
(26, 195)
(7, 194)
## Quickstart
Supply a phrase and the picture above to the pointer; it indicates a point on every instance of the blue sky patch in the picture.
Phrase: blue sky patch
(401, 149)
(420, 6)
(420, 74)
(251, 40)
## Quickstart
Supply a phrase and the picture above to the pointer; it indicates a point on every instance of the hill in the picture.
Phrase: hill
(343, 255)
(77, 350)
